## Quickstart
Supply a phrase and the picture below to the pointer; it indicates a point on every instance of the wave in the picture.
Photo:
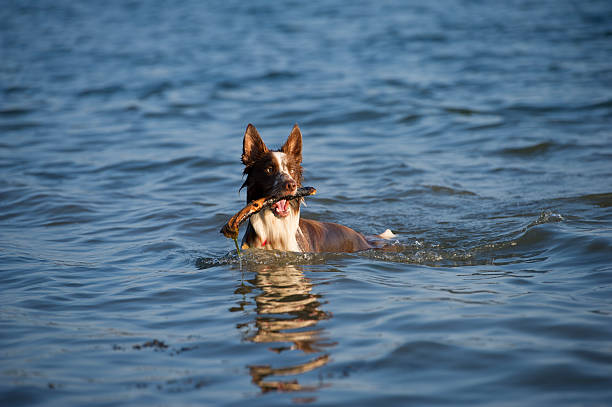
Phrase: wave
(438, 189)
(603, 200)
(252, 258)
(15, 111)
(102, 90)
(528, 245)
(530, 150)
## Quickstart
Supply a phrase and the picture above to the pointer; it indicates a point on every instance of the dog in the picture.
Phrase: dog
(280, 227)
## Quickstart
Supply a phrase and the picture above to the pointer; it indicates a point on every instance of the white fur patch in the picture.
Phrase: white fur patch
(281, 160)
(277, 233)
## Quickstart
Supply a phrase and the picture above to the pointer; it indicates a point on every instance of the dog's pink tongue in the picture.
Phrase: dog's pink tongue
(281, 206)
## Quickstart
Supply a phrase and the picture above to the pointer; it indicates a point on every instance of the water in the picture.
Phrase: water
(479, 133)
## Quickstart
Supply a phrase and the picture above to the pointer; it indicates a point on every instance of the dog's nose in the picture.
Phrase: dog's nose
(290, 186)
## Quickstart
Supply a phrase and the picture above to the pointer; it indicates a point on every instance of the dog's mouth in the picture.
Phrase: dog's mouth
(281, 208)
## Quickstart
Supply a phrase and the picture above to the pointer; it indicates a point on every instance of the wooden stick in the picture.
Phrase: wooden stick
(230, 229)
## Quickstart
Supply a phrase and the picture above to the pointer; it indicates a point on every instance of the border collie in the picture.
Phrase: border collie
(280, 227)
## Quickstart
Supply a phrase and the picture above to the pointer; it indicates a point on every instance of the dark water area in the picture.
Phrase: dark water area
(479, 132)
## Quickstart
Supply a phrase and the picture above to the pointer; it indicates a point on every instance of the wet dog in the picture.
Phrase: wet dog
(279, 172)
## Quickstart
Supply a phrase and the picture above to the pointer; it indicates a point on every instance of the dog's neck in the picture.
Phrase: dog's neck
(274, 233)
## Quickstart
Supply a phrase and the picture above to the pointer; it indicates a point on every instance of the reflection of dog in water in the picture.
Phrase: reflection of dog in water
(287, 312)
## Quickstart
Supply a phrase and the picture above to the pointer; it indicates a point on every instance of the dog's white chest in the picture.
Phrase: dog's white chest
(276, 233)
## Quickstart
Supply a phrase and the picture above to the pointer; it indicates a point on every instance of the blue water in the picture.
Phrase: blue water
(479, 132)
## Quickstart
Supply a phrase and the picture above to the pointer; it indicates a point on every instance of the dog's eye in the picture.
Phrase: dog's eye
(269, 170)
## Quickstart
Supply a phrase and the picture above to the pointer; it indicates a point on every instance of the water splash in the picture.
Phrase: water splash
(524, 245)
(547, 217)
(256, 257)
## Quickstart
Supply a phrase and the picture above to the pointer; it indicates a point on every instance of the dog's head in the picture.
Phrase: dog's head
(272, 173)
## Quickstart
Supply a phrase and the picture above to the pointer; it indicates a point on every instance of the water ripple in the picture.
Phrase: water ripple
(478, 132)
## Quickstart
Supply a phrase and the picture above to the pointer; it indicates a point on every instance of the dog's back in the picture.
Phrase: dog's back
(314, 236)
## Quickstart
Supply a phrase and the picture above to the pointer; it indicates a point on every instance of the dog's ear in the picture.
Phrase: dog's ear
(293, 145)
(252, 146)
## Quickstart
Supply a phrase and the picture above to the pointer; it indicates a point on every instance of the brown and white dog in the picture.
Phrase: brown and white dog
(280, 227)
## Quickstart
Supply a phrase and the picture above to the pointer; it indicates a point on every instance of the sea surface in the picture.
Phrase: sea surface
(479, 132)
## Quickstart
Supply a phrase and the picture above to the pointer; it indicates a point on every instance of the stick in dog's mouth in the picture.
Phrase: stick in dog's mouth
(230, 229)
